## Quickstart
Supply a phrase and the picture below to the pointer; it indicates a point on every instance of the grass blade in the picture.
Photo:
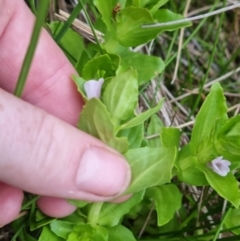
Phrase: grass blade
(41, 15)
(68, 23)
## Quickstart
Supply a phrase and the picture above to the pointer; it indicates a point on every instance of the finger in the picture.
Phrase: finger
(49, 85)
(10, 199)
(51, 158)
(55, 207)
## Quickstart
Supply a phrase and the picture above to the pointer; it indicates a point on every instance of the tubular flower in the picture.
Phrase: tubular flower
(93, 88)
(220, 166)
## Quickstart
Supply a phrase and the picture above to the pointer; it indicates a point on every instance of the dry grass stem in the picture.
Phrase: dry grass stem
(225, 9)
(180, 43)
(81, 27)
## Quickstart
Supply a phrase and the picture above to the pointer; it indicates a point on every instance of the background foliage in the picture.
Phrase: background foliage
(198, 204)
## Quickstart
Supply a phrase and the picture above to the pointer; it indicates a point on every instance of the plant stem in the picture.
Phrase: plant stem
(26, 205)
(68, 23)
(94, 211)
(92, 28)
(220, 226)
(32, 6)
(41, 15)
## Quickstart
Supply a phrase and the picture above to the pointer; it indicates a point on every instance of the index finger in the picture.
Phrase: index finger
(49, 85)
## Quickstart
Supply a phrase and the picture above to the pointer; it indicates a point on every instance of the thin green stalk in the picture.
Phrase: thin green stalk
(27, 204)
(68, 23)
(190, 216)
(94, 212)
(18, 232)
(232, 59)
(209, 65)
(32, 6)
(41, 15)
(174, 38)
(92, 28)
(221, 224)
(32, 212)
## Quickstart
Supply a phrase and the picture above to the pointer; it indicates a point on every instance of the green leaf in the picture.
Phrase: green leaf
(106, 8)
(231, 129)
(147, 3)
(150, 167)
(144, 143)
(47, 235)
(85, 232)
(142, 117)
(96, 121)
(77, 203)
(41, 220)
(80, 86)
(189, 173)
(168, 199)
(152, 65)
(171, 227)
(75, 218)
(82, 60)
(61, 228)
(135, 3)
(154, 127)
(156, 5)
(112, 213)
(102, 231)
(71, 43)
(227, 142)
(115, 61)
(113, 46)
(134, 135)
(165, 15)
(121, 95)
(213, 108)
(39, 216)
(25, 236)
(232, 220)
(206, 151)
(120, 233)
(128, 26)
(170, 137)
(99, 66)
(130, 20)
(230, 151)
(226, 187)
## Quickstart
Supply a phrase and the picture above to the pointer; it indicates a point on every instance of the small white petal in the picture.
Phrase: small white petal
(220, 166)
(93, 88)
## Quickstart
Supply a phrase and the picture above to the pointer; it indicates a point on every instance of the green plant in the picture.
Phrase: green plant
(116, 75)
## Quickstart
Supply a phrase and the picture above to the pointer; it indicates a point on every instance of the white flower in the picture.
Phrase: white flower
(93, 88)
(220, 166)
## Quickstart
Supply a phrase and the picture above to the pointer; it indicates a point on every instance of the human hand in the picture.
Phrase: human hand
(40, 151)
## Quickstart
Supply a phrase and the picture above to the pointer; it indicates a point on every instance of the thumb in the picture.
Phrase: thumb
(46, 156)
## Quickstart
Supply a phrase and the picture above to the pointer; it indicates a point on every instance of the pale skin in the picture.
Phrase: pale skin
(41, 151)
